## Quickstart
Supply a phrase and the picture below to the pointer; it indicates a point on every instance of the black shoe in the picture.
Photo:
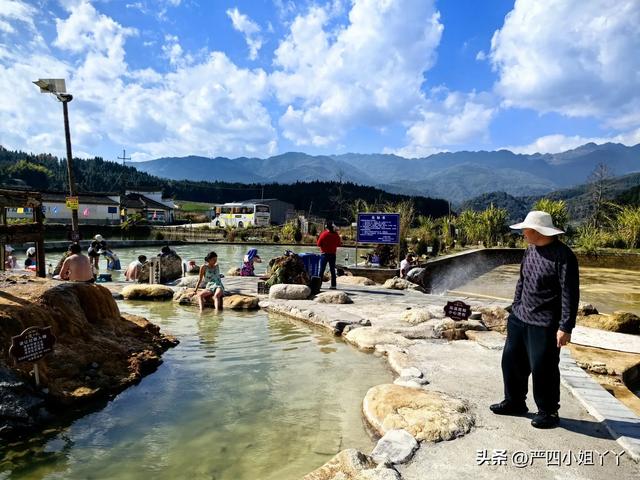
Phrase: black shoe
(507, 408)
(545, 420)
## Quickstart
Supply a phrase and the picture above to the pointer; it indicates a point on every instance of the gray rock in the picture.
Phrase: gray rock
(189, 282)
(410, 382)
(170, 269)
(20, 405)
(284, 291)
(333, 296)
(397, 446)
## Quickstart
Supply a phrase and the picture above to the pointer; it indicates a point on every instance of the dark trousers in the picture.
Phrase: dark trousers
(329, 258)
(530, 349)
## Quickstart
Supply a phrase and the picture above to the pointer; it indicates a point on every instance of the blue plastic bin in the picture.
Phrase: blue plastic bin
(312, 263)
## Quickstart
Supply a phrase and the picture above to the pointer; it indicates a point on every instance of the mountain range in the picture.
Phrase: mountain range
(455, 176)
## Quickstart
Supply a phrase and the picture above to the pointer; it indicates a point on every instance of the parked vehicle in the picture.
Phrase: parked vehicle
(241, 215)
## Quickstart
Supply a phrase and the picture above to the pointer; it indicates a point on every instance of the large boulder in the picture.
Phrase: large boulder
(170, 269)
(453, 329)
(287, 269)
(352, 465)
(289, 292)
(147, 292)
(354, 280)
(235, 302)
(621, 322)
(333, 296)
(416, 316)
(367, 338)
(189, 282)
(241, 302)
(426, 415)
(98, 352)
(397, 283)
(494, 318)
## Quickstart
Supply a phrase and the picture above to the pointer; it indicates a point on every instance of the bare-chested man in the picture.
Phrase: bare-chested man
(76, 267)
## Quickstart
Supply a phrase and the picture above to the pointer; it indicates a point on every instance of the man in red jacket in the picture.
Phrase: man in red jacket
(329, 241)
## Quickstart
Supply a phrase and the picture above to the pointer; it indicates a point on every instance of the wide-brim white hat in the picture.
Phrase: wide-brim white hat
(8, 248)
(541, 222)
(98, 238)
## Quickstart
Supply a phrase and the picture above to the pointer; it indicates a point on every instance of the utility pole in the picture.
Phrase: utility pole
(65, 99)
(124, 157)
(58, 88)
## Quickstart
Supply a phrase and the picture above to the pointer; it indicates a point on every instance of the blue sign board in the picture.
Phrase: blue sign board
(379, 228)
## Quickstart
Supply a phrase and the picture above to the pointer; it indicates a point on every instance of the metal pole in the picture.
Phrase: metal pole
(36, 374)
(72, 181)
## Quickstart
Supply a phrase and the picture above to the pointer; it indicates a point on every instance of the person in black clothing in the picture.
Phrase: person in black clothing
(543, 315)
(98, 245)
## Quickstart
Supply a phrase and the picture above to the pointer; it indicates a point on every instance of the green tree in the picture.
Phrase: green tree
(492, 222)
(556, 208)
(628, 225)
(36, 176)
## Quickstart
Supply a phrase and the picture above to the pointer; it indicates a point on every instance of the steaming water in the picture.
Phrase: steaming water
(244, 396)
(606, 288)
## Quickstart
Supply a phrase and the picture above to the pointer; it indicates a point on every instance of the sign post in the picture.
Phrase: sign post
(32, 345)
(378, 228)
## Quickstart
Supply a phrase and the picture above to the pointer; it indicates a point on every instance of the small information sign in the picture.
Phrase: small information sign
(379, 228)
(72, 203)
(32, 344)
(457, 310)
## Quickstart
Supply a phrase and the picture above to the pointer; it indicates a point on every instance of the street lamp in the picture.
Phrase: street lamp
(57, 87)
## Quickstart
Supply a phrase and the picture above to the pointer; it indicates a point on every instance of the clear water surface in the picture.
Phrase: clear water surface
(244, 396)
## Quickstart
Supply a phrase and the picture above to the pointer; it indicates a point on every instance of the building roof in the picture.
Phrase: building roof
(137, 200)
(262, 200)
(94, 199)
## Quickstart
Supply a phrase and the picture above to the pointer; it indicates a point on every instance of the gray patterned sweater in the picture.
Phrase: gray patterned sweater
(547, 293)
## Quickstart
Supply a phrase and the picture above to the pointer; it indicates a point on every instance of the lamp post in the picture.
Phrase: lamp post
(58, 88)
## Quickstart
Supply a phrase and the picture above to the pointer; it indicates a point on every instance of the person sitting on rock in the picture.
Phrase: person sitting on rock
(133, 269)
(77, 267)
(247, 265)
(10, 261)
(210, 272)
(407, 264)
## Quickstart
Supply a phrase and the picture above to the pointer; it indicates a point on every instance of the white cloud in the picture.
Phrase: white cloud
(250, 29)
(560, 143)
(578, 58)
(446, 120)
(367, 73)
(205, 107)
(16, 11)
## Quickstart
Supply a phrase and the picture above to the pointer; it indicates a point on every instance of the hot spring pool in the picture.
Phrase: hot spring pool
(244, 396)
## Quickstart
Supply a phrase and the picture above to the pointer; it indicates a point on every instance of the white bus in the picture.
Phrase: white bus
(241, 215)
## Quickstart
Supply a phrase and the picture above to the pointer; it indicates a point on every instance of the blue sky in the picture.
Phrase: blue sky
(263, 77)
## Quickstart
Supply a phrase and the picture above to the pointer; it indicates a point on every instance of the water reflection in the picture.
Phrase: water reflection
(244, 396)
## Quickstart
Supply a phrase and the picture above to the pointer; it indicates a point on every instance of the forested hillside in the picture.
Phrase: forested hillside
(46, 172)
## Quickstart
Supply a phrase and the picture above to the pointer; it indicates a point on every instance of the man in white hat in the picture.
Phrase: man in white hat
(542, 318)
